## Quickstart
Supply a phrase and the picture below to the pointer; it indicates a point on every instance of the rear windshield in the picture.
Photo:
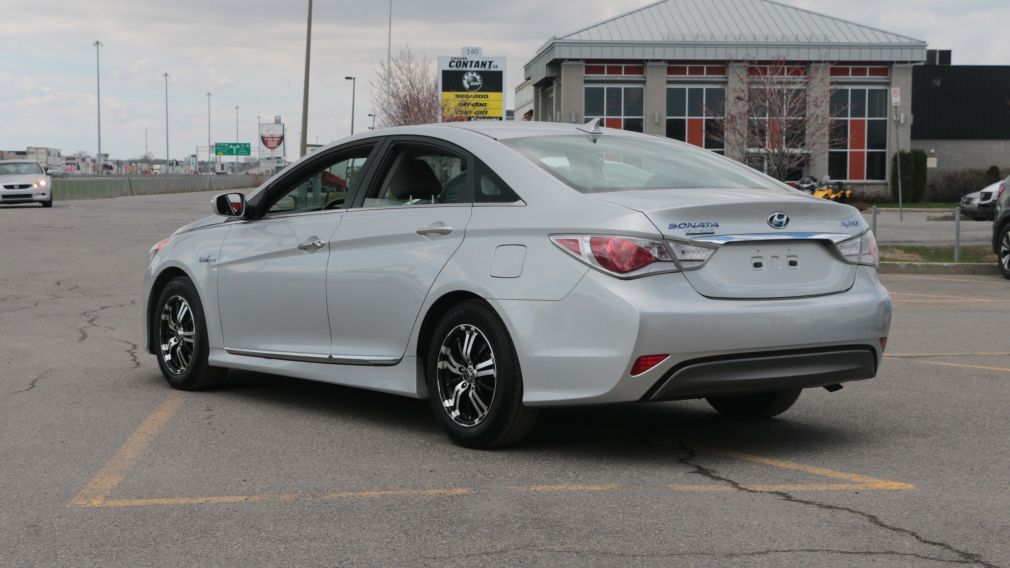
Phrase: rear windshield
(615, 163)
(20, 168)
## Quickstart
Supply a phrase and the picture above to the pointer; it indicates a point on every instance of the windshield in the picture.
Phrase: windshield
(615, 163)
(20, 169)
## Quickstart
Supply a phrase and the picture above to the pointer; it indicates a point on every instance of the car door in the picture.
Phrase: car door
(392, 244)
(272, 267)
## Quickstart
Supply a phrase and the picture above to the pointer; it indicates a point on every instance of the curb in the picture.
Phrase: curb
(938, 268)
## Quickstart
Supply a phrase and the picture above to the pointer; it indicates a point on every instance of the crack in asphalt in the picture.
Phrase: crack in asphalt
(132, 352)
(45, 299)
(92, 317)
(34, 383)
(964, 557)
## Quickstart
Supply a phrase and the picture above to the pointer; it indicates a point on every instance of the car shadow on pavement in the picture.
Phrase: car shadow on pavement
(646, 431)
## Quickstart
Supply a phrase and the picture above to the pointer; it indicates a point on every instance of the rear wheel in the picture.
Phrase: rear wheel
(755, 406)
(181, 333)
(474, 381)
(1004, 251)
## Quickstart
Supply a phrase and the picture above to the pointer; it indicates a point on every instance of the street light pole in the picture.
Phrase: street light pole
(98, 80)
(166, 120)
(389, 38)
(236, 138)
(354, 92)
(210, 149)
(305, 88)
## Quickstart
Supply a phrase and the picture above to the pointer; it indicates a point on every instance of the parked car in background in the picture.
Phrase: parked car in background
(981, 205)
(1001, 228)
(24, 181)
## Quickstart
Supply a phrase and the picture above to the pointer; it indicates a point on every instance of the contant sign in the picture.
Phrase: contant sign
(472, 87)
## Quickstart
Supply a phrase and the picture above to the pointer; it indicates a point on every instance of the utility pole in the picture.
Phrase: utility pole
(305, 88)
(210, 148)
(236, 138)
(145, 144)
(98, 80)
(354, 92)
(166, 119)
(389, 38)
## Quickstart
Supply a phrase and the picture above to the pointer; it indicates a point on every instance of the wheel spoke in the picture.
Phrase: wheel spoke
(449, 362)
(478, 404)
(468, 341)
(453, 403)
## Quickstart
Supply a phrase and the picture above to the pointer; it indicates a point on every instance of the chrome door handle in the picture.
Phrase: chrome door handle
(312, 245)
(435, 229)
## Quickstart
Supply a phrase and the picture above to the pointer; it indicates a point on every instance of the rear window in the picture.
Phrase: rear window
(615, 163)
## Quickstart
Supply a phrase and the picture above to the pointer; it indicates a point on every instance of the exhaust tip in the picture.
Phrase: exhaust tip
(833, 388)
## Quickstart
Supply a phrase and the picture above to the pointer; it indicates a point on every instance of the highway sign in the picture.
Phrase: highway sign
(232, 149)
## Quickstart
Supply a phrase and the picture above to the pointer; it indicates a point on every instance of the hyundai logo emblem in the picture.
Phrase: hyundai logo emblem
(778, 220)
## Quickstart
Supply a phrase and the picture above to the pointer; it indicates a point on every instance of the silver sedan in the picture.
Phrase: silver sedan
(497, 268)
(23, 181)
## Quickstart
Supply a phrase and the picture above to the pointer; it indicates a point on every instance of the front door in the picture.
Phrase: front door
(272, 270)
(391, 246)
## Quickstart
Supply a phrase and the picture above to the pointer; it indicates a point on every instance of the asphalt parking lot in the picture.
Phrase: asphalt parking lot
(103, 465)
(916, 229)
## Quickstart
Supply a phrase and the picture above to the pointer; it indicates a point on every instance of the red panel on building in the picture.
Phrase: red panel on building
(857, 135)
(614, 123)
(859, 71)
(614, 70)
(857, 166)
(634, 70)
(839, 71)
(879, 72)
(715, 70)
(695, 70)
(676, 71)
(596, 70)
(696, 132)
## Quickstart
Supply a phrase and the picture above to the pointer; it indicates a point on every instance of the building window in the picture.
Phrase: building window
(858, 141)
(697, 115)
(621, 107)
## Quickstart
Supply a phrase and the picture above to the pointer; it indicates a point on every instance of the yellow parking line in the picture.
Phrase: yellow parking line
(110, 476)
(568, 488)
(283, 497)
(788, 487)
(854, 478)
(913, 277)
(960, 365)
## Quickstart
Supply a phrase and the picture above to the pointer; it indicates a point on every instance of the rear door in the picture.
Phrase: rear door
(392, 244)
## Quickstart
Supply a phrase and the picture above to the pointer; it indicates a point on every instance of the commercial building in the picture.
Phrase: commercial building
(688, 69)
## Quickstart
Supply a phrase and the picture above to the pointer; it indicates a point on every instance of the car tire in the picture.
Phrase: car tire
(47, 203)
(1003, 253)
(755, 406)
(476, 409)
(180, 333)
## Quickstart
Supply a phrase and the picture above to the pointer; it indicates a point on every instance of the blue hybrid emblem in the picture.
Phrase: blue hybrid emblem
(778, 220)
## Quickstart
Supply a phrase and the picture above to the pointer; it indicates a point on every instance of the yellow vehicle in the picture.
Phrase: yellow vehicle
(833, 192)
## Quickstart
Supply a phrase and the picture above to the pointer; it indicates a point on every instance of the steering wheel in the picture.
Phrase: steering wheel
(334, 204)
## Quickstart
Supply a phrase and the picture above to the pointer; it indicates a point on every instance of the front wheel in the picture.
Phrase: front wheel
(47, 204)
(755, 406)
(474, 381)
(181, 332)
(1004, 251)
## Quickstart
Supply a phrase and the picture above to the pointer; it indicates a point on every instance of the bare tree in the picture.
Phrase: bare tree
(406, 91)
(773, 124)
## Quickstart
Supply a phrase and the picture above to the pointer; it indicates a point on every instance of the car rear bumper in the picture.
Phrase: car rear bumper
(580, 350)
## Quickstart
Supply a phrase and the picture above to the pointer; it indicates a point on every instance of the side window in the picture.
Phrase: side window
(491, 189)
(420, 175)
(327, 188)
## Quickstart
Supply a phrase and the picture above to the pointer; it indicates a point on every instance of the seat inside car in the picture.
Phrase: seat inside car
(413, 179)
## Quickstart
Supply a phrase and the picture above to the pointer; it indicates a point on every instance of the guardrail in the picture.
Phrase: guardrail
(105, 187)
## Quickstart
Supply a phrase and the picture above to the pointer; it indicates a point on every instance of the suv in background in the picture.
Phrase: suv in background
(981, 205)
(1001, 228)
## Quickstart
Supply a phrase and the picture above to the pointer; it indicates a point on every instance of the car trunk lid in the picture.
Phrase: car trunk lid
(770, 244)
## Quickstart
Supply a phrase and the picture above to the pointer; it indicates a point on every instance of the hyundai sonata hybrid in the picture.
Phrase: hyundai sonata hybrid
(497, 268)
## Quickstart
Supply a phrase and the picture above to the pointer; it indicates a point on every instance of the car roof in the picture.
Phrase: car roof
(495, 129)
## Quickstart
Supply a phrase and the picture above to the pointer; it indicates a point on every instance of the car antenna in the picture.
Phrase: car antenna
(593, 129)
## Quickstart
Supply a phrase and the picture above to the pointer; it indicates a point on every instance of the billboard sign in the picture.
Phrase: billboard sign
(472, 87)
(272, 142)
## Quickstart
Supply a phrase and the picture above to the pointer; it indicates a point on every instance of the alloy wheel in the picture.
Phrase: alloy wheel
(1004, 252)
(177, 335)
(466, 375)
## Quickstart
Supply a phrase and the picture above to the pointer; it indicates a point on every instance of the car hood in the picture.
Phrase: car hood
(687, 213)
(20, 179)
(208, 221)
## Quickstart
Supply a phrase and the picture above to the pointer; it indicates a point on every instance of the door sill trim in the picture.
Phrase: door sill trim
(310, 358)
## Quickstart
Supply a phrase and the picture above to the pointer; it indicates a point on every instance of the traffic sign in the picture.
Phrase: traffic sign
(232, 149)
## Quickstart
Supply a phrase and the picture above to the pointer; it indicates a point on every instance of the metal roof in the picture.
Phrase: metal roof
(736, 30)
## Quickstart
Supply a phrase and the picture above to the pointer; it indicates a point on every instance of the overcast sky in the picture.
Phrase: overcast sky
(250, 53)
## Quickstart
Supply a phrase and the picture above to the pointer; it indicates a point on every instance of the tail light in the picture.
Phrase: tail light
(861, 250)
(631, 257)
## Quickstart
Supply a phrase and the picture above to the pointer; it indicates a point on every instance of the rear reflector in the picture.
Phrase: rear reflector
(646, 362)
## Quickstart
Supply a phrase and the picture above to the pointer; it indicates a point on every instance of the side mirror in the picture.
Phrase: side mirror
(230, 205)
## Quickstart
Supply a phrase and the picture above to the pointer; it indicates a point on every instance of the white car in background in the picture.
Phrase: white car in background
(495, 268)
(981, 205)
(25, 181)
